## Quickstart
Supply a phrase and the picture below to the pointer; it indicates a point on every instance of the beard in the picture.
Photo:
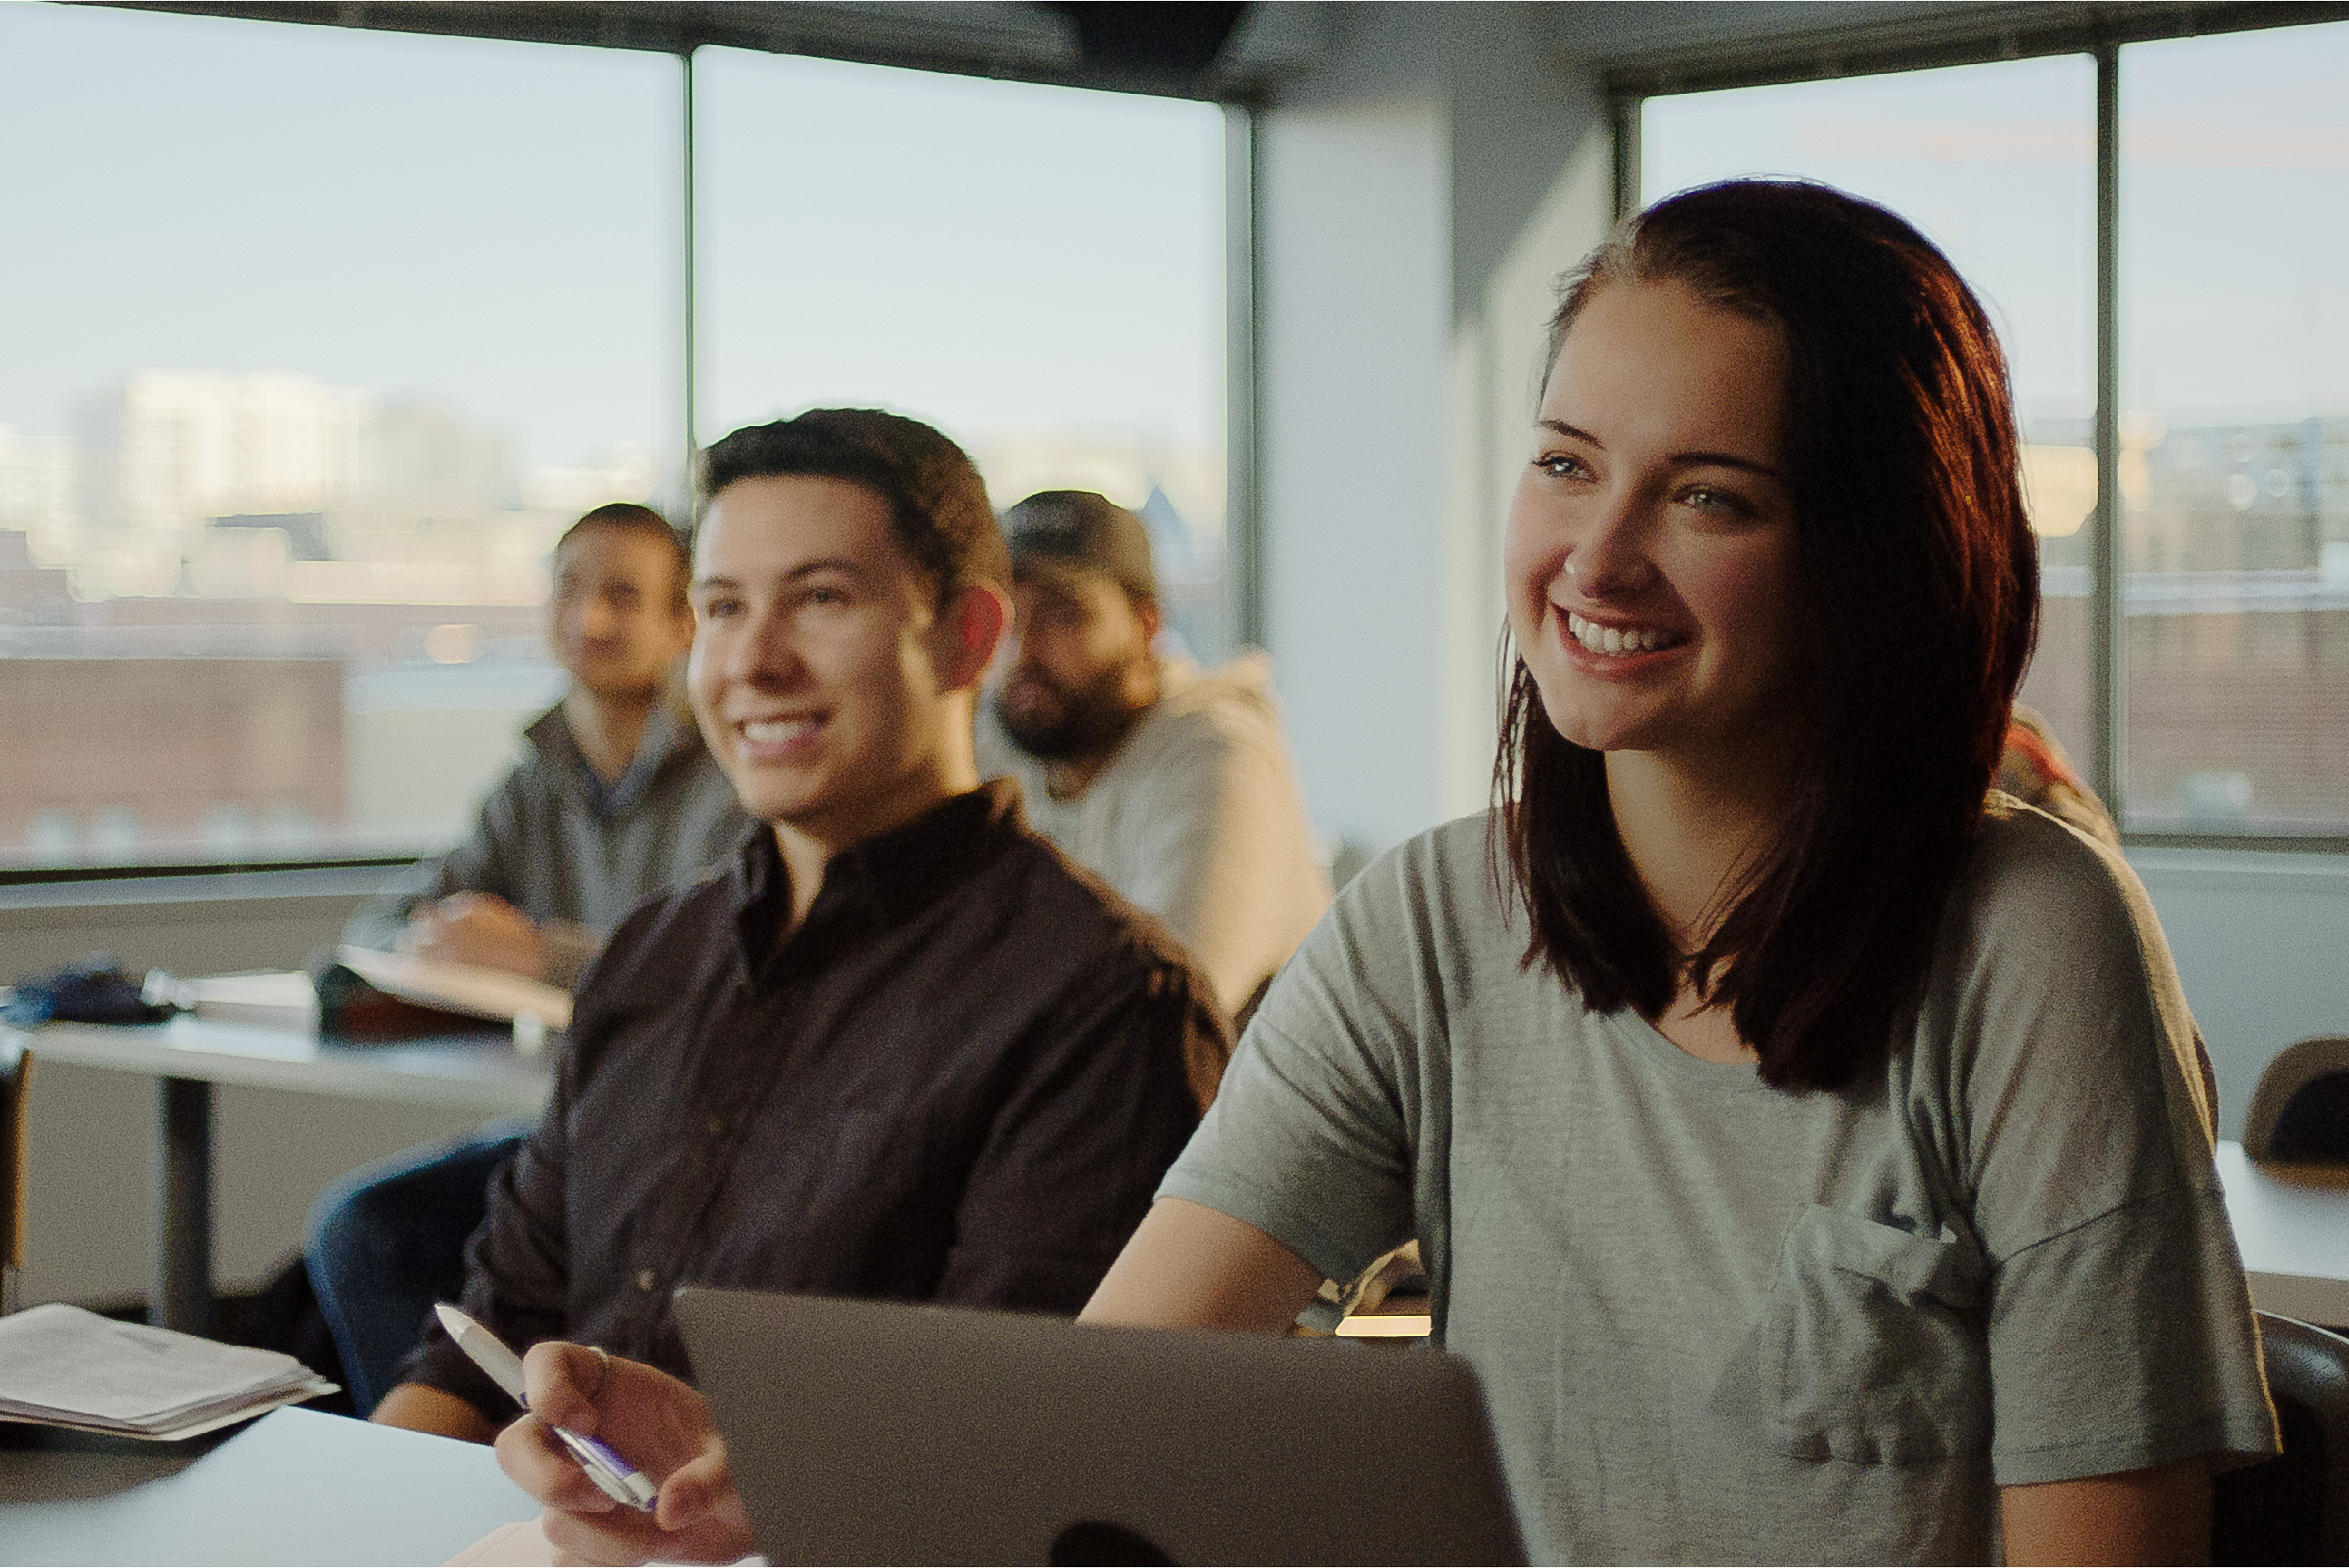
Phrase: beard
(1059, 723)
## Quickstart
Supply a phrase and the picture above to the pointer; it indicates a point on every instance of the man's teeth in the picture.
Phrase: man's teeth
(775, 731)
(1601, 639)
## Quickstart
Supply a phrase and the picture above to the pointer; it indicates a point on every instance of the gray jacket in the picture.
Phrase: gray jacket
(572, 853)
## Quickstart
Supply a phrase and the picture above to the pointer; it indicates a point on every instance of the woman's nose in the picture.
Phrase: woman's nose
(1610, 557)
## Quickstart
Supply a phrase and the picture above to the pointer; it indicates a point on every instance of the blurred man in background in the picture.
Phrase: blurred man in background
(1172, 785)
(615, 798)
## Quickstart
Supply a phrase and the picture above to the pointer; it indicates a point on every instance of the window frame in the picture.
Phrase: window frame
(1991, 34)
(681, 34)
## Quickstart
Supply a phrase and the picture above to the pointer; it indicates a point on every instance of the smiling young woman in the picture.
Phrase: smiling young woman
(1809, 1154)
(1803, 1143)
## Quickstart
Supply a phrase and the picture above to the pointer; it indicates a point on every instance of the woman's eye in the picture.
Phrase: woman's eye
(1559, 464)
(720, 609)
(1707, 499)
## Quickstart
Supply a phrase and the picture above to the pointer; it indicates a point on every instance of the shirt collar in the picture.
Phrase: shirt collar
(668, 731)
(883, 879)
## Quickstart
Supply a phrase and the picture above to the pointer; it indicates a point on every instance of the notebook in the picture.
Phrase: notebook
(878, 1432)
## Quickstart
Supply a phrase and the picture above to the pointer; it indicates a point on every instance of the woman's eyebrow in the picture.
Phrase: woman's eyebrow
(1688, 460)
(1572, 432)
(1729, 460)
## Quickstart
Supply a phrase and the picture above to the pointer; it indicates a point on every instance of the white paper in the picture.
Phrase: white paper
(64, 1364)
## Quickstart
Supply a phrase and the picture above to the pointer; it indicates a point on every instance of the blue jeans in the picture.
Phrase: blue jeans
(388, 1240)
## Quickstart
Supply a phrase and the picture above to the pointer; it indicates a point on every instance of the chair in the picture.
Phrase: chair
(2293, 1508)
(2300, 1112)
(15, 1100)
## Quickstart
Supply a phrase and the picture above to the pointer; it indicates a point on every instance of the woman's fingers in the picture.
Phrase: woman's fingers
(625, 1537)
(700, 1496)
(656, 1422)
(539, 1464)
(564, 1382)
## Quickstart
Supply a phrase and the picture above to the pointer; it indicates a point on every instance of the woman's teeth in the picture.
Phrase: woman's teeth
(775, 731)
(1601, 639)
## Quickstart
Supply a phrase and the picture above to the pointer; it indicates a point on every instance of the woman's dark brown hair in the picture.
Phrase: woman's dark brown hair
(1917, 579)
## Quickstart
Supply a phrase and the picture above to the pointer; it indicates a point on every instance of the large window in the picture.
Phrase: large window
(1037, 271)
(2229, 616)
(1996, 164)
(313, 340)
(2234, 312)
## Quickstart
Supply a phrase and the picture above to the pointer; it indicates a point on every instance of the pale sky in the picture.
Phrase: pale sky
(495, 225)
(2235, 195)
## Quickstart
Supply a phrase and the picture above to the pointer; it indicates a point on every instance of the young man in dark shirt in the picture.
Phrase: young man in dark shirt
(899, 1048)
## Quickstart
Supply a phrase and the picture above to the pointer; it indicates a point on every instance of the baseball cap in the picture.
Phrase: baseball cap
(1082, 530)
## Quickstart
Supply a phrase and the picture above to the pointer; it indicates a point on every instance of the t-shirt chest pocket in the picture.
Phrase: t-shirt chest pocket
(1873, 1350)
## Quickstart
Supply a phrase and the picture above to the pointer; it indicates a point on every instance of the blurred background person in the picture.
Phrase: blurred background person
(1171, 784)
(615, 798)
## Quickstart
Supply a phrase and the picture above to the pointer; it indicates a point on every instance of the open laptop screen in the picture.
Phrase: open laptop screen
(878, 1432)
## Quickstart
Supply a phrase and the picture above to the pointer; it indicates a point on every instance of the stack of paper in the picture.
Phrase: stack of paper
(279, 999)
(67, 1367)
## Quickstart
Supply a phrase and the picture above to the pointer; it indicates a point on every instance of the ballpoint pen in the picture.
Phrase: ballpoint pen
(620, 1480)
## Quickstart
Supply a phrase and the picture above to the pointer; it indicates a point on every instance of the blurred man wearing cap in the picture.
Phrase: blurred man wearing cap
(1172, 785)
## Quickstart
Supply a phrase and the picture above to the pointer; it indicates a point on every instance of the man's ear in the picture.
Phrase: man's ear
(1152, 619)
(973, 622)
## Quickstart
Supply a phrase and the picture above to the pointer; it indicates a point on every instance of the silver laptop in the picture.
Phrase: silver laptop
(875, 1432)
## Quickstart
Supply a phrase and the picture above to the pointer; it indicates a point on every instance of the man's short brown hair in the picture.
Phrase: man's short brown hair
(937, 504)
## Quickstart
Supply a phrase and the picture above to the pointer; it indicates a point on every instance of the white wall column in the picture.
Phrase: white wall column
(1419, 196)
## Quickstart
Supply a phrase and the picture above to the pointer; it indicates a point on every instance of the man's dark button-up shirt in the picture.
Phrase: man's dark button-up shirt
(959, 1080)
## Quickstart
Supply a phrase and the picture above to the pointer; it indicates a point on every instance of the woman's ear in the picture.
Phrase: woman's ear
(972, 623)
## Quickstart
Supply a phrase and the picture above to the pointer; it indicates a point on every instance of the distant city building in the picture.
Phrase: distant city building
(168, 448)
(255, 748)
(36, 486)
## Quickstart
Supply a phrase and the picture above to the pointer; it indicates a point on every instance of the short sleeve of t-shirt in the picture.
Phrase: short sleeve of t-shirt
(2119, 1326)
(1311, 1138)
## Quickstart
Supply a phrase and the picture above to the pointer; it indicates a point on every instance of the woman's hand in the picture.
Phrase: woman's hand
(660, 1425)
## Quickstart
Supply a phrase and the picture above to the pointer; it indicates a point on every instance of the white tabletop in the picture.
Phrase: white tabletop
(293, 1486)
(480, 1072)
(2292, 1225)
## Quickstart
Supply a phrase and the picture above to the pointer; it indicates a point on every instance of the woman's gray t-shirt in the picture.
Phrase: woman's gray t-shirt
(1718, 1322)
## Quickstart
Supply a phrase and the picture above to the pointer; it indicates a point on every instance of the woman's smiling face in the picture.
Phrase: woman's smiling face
(1651, 546)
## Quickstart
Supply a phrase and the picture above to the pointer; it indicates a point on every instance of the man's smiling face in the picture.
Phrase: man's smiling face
(820, 670)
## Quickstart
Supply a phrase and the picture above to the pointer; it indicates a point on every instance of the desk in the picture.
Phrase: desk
(293, 1486)
(188, 1055)
(2292, 1225)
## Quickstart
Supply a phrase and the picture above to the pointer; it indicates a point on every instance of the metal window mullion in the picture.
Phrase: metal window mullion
(690, 284)
(1626, 107)
(2108, 703)
(1243, 544)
